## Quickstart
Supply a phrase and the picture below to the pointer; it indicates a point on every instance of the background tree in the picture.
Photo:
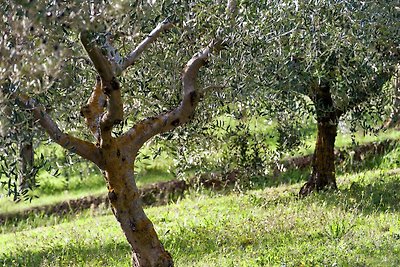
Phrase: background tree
(334, 54)
(14, 128)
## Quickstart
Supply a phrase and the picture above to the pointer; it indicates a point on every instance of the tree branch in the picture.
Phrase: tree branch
(109, 64)
(83, 148)
(114, 114)
(103, 122)
(100, 62)
(132, 57)
(148, 128)
(113, 64)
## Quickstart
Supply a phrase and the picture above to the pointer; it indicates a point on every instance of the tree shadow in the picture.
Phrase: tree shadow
(379, 195)
(348, 161)
(365, 158)
(115, 254)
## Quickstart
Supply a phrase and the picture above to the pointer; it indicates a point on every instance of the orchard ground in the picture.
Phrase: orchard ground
(264, 224)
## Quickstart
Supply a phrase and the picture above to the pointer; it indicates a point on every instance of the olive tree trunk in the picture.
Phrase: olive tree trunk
(323, 163)
(127, 208)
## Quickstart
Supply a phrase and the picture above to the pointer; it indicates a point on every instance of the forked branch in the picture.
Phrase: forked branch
(107, 59)
(100, 62)
(109, 64)
(154, 34)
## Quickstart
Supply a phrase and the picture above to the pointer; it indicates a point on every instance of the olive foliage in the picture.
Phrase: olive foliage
(284, 51)
(275, 51)
(44, 59)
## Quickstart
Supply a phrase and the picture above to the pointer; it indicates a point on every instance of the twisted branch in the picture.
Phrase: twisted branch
(109, 64)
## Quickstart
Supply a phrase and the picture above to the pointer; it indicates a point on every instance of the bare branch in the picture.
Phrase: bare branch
(109, 65)
(107, 60)
(213, 87)
(148, 128)
(100, 62)
(99, 120)
(83, 148)
(132, 57)
(110, 92)
(114, 114)
(94, 109)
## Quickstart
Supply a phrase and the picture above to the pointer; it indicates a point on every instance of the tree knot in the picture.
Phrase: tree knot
(112, 196)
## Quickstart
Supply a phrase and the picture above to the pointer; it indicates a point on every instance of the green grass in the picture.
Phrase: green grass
(269, 226)
(8, 205)
(358, 226)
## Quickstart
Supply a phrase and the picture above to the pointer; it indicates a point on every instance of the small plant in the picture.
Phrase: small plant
(338, 228)
(247, 148)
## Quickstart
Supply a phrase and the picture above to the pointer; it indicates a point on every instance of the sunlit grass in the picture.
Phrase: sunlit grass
(8, 205)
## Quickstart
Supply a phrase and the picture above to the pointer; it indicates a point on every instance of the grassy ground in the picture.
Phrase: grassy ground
(265, 224)
(82, 179)
(358, 226)
(257, 226)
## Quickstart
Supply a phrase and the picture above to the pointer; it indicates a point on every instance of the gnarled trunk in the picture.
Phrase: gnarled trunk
(126, 205)
(323, 164)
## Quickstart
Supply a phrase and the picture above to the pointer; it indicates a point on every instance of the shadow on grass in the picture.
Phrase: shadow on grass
(115, 254)
(378, 195)
(346, 163)
(292, 176)
(187, 243)
(369, 160)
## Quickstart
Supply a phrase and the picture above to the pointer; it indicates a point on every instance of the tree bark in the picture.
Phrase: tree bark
(124, 196)
(116, 155)
(104, 110)
(323, 163)
(27, 159)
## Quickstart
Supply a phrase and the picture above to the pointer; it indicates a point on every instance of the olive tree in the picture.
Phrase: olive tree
(14, 127)
(335, 54)
(41, 45)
